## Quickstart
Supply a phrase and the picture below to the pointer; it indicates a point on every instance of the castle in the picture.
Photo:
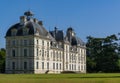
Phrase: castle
(30, 48)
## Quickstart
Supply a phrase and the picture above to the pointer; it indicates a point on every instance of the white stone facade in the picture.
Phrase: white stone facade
(35, 54)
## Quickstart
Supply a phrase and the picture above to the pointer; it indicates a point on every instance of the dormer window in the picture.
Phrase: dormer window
(13, 32)
(37, 32)
(25, 31)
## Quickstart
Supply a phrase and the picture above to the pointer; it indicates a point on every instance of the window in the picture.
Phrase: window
(60, 66)
(13, 53)
(48, 65)
(47, 54)
(56, 65)
(72, 66)
(37, 41)
(48, 44)
(66, 66)
(25, 65)
(42, 65)
(69, 66)
(84, 67)
(25, 31)
(13, 65)
(13, 42)
(43, 42)
(53, 65)
(25, 52)
(14, 31)
(81, 67)
(37, 52)
(25, 42)
(42, 53)
(37, 65)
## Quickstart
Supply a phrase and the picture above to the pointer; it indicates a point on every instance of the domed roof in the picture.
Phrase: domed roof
(77, 41)
(30, 24)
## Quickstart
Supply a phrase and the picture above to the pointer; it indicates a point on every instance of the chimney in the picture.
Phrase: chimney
(35, 20)
(22, 20)
(40, 23)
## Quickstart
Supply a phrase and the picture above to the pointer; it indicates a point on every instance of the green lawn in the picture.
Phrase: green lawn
(60, 78)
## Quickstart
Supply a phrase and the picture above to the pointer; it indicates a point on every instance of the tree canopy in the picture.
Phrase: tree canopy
(103, 54)
(2, 60)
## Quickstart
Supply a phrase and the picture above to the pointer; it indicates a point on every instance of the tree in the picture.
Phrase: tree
(102, 54)
(2, 60)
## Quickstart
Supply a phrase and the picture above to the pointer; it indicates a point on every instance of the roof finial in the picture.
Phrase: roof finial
(28, 13)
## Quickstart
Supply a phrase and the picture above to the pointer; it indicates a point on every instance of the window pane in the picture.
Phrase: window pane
(42, 65)
(25, 52)
(13, 65)
(37, 65)
(13, 53)
(25, 65)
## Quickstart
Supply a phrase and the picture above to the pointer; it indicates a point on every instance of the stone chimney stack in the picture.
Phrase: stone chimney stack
(23, 20)
(40, 23)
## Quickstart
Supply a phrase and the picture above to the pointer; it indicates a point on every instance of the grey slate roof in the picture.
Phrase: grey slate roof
(58, 35)
(33, 27)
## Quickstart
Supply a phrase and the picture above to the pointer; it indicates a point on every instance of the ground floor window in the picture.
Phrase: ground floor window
(13, 65)
(53, 65)
(42, 65)
(25, 65)
(37, 65)
(48, 65)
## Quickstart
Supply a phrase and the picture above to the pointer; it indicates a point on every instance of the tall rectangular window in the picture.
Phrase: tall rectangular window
(37, 52)
(42, 65)
(43, 42)
(25, 52)
(42, 53)
(25, 65)
(25, 42)
(47, 54)
(13, 53)
(56, 65)
(37, 42)
(53, 65)
(13, 65)
(60, 66)
(13, 42)
(48, 65)
(37, 65)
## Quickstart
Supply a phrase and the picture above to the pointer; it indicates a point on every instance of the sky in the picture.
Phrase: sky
(97, 18)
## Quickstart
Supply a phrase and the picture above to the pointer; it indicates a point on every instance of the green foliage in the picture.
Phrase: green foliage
(102, 54)
(2, 60)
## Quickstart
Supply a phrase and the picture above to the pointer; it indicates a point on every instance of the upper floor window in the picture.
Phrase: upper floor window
(25, 52)
(37, 52)
(47, 54)
(43, 42)
(47, 44)
(13, 53)
(25, 31)
(13, 32)
(13, 42)
(25, 42)
(42, 53)
(37, 42)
